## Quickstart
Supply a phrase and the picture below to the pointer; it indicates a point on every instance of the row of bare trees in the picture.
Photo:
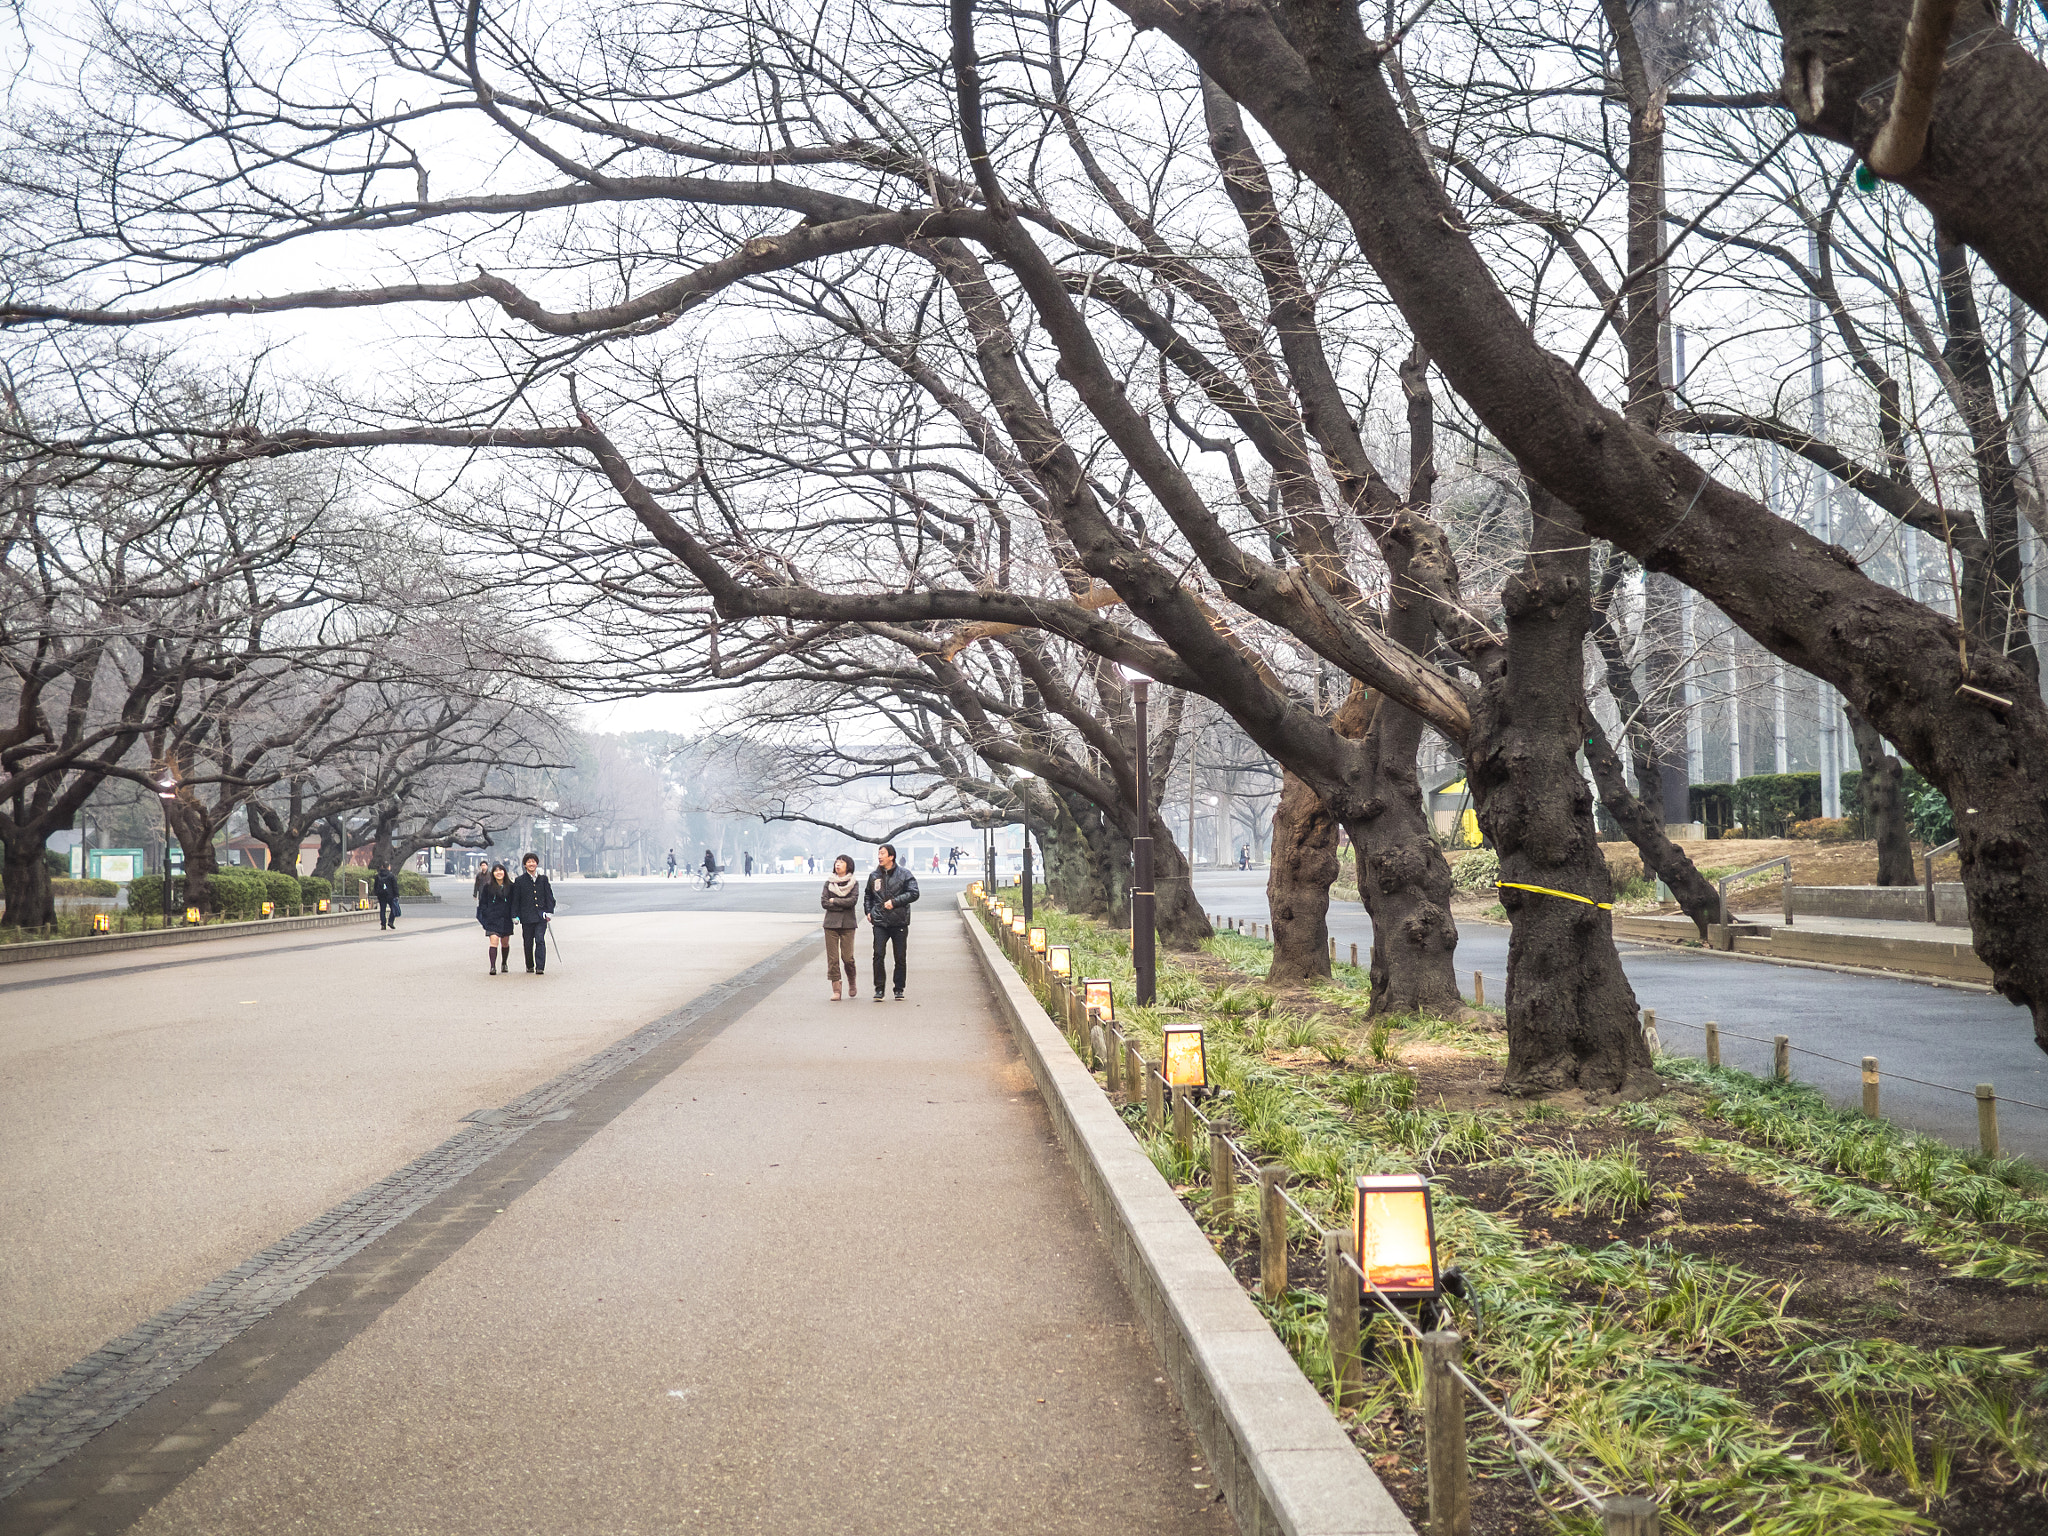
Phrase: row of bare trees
(1318, 365)
(244, 642)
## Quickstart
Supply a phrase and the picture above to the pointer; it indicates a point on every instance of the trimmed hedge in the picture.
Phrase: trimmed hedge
(1766, 804)
(313, 890)
(66, 886)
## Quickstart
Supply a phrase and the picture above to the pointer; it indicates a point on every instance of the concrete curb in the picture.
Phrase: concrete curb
(57, 949)
(1282, 1460)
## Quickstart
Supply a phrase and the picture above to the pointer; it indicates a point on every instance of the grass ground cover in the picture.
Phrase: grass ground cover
(1783, 1319)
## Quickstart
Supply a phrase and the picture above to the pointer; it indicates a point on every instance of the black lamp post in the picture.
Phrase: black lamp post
(1027, 877)
(1142, 908)
(167, 791)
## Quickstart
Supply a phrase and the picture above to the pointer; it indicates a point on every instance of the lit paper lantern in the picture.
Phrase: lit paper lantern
(1038, 941)
(101, 923)
(1397, 1235)
(362, 903)
(323, 904)
(1187, 1063)
(269, 908)
(1059, 959)
(1099, 1000)
(191, 914)
(1017, 926)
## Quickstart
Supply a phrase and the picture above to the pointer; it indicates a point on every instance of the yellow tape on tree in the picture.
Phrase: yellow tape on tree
(1544, 890)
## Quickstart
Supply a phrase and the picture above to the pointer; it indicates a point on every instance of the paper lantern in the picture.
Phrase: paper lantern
(1017, 926)
(1059, 959)
(1038, 941)
(1099, 1000)
(269, 908)
(1397, 1235)
(191, 914)
(101, 923)
(323, 903)
(1187, 1063)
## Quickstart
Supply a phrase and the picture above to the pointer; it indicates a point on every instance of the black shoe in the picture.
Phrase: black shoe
(899, 997)
(878, 997)
(529, 970)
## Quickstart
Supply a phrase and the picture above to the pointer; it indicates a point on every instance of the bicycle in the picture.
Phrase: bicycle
(709, 879)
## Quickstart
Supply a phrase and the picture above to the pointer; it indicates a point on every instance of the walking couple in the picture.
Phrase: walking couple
(528, 901)
(886, 896)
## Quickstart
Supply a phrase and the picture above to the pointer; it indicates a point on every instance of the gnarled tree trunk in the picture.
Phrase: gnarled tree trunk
(1571, 1012)
(1402, 876)
(1644, 827)
(1882, 789)
(1298, 885)
(29, 901)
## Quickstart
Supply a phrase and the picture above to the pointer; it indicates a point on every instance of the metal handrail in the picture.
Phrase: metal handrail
(1927, 870)
(1721, 885)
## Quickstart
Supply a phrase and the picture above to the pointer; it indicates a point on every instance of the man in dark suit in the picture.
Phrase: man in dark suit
(385, 889)
(533, 903)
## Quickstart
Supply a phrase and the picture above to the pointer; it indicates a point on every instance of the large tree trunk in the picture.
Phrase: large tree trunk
(1984, 174)
(29, 901)
(1073, 864)
(333, 849)
(1571, 1012)
(194, 831)
(1402, 877)
(1298, 885)
(1882, 789)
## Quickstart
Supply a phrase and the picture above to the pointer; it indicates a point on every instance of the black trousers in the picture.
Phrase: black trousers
(535, 938)
(387, 911)
(884, 937)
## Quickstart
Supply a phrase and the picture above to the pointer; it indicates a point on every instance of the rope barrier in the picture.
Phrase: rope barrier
(1544, 890)
(1472, 1389)
(1855, 1066)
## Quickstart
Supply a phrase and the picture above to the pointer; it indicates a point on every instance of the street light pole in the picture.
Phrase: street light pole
(1027, 877)
(167, 791)
(1142, 911)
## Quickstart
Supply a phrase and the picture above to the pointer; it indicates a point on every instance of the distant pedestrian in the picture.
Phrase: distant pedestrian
(890, 891)
(952, 861)
(1244, 856)
(748, 865)
(385, 889)
(483, 878)
(671, 863)
(839, 898)
(494, 912)
(533, 903)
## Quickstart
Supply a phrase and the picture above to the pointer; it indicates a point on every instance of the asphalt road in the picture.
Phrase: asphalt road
(790, 1265)
(1941, 1034)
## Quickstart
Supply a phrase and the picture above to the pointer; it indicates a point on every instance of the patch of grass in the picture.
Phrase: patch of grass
(1609, 1183)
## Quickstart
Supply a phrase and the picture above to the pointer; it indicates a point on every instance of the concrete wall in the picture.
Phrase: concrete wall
(1899, 903)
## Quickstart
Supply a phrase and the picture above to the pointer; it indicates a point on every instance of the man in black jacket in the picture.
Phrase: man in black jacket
(533, 903)
(887, 897)
(385, 889)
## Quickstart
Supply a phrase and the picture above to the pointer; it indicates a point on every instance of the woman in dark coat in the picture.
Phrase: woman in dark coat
(840, 896)
(494, 912)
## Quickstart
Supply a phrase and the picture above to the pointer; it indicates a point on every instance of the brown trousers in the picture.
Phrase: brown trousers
(838, 947)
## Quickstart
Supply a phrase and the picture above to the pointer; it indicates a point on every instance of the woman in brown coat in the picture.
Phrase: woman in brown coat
(840, 896)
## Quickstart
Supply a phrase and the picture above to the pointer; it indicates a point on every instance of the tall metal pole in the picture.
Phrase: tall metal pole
(1027, 879)
(1141, 856)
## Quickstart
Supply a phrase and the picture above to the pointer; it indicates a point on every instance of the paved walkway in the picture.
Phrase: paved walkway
(800, 1266)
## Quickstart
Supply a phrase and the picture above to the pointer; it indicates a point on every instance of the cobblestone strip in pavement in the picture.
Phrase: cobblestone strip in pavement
(43, 1426)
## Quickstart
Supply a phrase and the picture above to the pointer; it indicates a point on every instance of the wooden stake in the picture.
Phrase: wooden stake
(1443, 1425)
(1713, 1044)
(1333, 951)
(1134, 1074)
(1098, 1048)
(1781, 1057)
(1354, 957)
(1479, 989)
(1870, 1086)
(1222, 1179)
(1183, 1122)
(1987, 1119)
(1650, 1032)
(1343, 1317)
(1114, 1081)
(1155, 1094)
(1272, 1233)
(1632, 1516)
